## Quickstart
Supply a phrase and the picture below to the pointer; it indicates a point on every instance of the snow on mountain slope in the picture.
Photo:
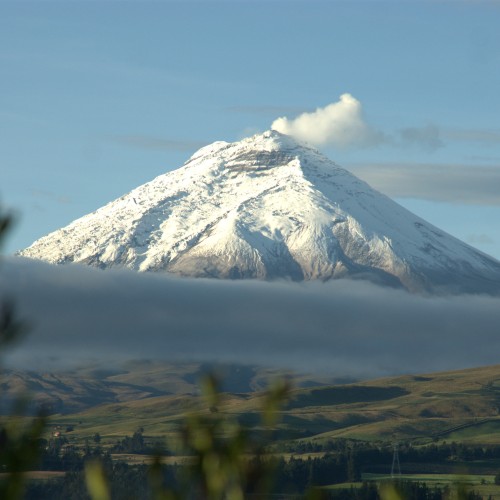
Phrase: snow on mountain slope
(267, 207)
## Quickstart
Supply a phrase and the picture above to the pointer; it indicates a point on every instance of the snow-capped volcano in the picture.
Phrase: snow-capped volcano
(266, 207)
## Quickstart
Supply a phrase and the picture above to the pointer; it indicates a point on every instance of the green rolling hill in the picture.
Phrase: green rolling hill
(460, 405)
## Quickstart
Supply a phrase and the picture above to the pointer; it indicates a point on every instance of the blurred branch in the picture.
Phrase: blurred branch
(11, 329)
(5, 224)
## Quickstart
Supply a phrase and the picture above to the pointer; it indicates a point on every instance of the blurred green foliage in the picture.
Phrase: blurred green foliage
(18, 443)
(226, 459)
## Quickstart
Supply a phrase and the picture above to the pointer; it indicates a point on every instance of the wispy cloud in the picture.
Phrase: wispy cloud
(339, 124)
(24, 119)
(431, 137)
(69, 62)
(145, 142)
(483, 158)
(79, 313)
(467, 184)
(427, 138)
(49, 195)
(265, 110)
(481, 239)
(474, 135)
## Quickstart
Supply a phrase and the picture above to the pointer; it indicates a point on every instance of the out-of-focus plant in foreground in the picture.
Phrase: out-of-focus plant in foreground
(19, 440)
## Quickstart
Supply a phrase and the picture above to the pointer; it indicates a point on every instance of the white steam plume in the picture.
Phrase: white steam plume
(339, 124)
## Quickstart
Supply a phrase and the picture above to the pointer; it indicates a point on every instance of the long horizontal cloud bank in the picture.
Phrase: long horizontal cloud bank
(468, 184)
(341, 327)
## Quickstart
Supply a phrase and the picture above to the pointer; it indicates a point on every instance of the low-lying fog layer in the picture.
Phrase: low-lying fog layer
(341, 327)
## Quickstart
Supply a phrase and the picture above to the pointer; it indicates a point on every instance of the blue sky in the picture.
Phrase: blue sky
(99, 97)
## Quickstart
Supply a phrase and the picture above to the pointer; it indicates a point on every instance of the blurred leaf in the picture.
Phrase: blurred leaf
(96, 481)
(210, 387)
(388, 491)
(276, 396)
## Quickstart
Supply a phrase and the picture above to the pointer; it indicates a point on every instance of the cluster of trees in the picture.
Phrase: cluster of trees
(298, 475)
(398, 489)
(137, 444)
(123, 481)
(366, 455)
(57, 455)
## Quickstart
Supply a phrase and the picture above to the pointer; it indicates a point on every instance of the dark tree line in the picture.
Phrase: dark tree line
(366, 454)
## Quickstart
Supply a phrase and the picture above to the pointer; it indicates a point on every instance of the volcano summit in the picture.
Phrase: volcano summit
(266, 208)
